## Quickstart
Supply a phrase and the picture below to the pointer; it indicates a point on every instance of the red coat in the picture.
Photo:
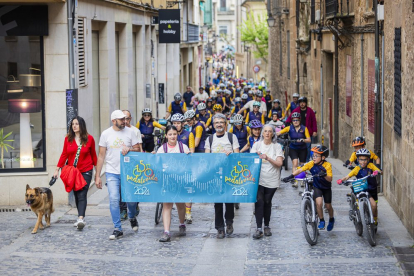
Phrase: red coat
(310, 119)
(87, 157)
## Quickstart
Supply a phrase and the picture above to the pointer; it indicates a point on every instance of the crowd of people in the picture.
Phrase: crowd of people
(229, 115)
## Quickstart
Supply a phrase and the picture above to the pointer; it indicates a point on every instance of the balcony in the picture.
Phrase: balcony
(339, 8)
(225, 11)
(191, 33)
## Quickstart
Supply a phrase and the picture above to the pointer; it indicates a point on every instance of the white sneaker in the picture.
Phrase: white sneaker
(80, 224)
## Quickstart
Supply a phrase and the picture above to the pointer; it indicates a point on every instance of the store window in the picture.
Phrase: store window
(22, 143)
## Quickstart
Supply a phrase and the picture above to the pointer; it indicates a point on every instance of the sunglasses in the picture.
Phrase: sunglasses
(295, 120)
(147, 115)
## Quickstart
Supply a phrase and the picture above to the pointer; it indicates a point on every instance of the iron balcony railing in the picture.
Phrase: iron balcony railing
(191, 33)
(339, 8)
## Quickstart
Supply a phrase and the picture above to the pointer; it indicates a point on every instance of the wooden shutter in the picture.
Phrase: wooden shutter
(81, 46)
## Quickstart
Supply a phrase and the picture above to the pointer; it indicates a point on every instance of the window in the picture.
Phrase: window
(223, 30)
(312, 12)
(223, 5)
(21, 105)
(397, 82)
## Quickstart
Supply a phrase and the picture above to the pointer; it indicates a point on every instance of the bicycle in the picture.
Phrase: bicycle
(360, 208)
(159, 134)
(285, 145)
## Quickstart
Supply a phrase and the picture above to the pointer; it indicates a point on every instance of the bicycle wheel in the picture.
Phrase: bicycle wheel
(309, 227)
(158, 213)
(357, 217)
(286, 162)
(369, 229)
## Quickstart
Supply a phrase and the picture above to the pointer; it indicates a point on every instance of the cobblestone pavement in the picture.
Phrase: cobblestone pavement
(62, 250)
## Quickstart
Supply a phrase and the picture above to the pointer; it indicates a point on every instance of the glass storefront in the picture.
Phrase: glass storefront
(21, 104)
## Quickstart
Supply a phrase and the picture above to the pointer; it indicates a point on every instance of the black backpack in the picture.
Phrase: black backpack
(229, 135)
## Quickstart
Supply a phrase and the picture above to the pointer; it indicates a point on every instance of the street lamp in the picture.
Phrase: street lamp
(271, 21)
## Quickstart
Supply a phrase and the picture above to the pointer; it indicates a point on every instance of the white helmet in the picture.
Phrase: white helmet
(201, 106)
(228, 92)
(146, 110)
(189, 114)
(238, 99)
(244, 97)
(177, 117)
(177, 97)
(238, 118)
(295, 95)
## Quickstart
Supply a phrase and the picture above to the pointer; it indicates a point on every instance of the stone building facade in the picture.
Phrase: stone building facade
(302, 59)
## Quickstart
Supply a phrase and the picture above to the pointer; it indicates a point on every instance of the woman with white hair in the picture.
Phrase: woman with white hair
(272, 157)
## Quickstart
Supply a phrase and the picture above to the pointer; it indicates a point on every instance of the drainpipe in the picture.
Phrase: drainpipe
(382, 113)
(71, 44)
(378, 130)
(321, 98)
(362, 84)
(336, 96)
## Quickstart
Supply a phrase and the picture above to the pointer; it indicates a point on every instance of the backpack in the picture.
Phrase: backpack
(229, 135)
(180, 145)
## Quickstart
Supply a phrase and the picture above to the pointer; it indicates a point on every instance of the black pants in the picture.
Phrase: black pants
(229, 214)
(81, 196)
(263, 205)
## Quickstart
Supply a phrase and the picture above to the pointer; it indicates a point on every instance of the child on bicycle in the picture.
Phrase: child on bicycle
(322, 183)
(359, 143)
(256, 129)
(278, 124)
(365, 168)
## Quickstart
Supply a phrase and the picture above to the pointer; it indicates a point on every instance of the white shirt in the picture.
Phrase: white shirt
(113, 141)
(222, 144)
(269, 174)
(262, 109)
(201, 97)
(175, 149)
(137, 133)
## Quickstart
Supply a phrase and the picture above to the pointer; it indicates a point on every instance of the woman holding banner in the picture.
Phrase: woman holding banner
(272, 157)
(172, 145)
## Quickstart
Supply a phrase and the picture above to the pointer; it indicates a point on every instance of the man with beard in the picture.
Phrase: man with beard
(115, 140)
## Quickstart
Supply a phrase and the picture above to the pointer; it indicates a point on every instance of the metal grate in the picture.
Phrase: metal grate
(81, 46)
(10, 210)
(397, 81)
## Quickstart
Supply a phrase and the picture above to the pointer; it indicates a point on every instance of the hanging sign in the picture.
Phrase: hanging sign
(169, 26)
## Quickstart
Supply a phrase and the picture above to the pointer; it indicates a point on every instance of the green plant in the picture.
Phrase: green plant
(4, 145)
(254, 31)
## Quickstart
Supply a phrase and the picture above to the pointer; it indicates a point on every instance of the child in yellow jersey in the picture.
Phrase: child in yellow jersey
(359, 143)
(365, 168)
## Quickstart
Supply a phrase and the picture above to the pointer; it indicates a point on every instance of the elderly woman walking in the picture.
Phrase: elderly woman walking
(272, 157)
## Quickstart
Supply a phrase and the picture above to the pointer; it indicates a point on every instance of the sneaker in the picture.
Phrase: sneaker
(258, 235)
(182, 229)
(220, 234)
(124, 215)
(80, 224)
(134, 224)
(321, 225)
(331, 224)
(302, 184)
(116, 234)
(267, 231)
(165, 237)
(76, 223)
(188, 218)
(295, 184)
(229, 229)
(137, 210)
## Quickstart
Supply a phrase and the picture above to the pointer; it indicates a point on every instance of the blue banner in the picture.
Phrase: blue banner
(200, 177)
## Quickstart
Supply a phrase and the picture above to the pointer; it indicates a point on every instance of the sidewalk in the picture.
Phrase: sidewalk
(63, 250)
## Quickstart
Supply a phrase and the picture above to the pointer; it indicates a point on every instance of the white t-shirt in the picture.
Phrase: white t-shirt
(113, 141)
(201, 97)
(175, 149)
(222, 144)
(137, 133)
(262, 108)
(269, 174)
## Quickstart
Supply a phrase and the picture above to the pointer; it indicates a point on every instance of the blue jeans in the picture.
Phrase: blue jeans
(113, 182)
(309, 145)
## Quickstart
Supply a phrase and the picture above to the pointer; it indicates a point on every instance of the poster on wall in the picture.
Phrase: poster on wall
(371, 95)
(71, 106)
(349, 86)
(169, 26)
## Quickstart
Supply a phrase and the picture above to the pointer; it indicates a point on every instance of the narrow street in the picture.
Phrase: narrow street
(90, 252)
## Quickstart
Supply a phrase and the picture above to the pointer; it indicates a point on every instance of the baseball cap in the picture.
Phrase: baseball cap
(117, 114)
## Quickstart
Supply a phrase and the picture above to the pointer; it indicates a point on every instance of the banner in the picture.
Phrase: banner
(200, 177)
(169, 26)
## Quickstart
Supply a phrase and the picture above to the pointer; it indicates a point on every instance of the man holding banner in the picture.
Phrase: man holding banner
(222, 142)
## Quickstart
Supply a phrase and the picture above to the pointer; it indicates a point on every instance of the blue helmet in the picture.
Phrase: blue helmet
(255, 124)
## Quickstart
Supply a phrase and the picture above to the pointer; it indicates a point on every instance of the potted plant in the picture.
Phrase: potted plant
(4, 145)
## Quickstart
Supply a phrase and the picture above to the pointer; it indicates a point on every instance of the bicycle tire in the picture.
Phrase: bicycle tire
(306, 217)
(237, 206)
(286, 165)
(369, 231)
(357, 216)
(158, 213)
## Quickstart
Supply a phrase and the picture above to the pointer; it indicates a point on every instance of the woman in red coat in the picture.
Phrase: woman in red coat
(78, 137)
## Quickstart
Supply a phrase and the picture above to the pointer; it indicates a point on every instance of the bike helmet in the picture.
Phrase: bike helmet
(276, 101)
(295, 95)
(244, 97)
(238, 119)
(177, 97)
(209, 100)
(246, 87)
(259, 93)
(322, 150)
(201, 106)
(217, 107)
(295, 115)
(189, 114)
(260, 87)
(214, 98)
(228, 92)
(238, 89)
(363, 152)
(275, 113)
(237, 100)
(222, 86)
(146, 110)
(259, 104)
(255, 124)
(201, 88)
(250, 92)
(358, 141)
(303, 99)
(177, 117)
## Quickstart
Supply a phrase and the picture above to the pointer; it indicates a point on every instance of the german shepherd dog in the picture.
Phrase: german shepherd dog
(40, 201)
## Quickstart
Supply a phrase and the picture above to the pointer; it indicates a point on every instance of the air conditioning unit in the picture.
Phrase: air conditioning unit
(318, 16)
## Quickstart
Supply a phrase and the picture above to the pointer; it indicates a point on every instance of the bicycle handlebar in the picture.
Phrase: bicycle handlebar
(349, 182)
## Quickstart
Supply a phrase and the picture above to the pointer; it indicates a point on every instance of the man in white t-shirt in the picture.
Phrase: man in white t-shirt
(221, 143)
(249, 105)
(201, 95)
(115, 140)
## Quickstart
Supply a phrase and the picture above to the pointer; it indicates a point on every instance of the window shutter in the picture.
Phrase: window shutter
(312, 12)
(297, 12)
(81, 45)
(397, 81)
